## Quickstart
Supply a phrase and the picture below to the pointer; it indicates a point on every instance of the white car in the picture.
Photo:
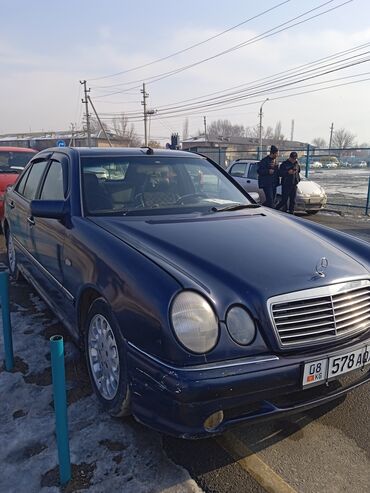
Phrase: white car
(311, 197)
(316, 165)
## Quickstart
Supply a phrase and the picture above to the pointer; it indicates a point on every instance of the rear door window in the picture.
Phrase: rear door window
(252, 172)
(22, 182)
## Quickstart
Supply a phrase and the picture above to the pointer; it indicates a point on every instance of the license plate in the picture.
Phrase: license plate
(320, 371)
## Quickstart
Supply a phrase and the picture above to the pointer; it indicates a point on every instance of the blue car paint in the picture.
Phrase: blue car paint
(138, 264)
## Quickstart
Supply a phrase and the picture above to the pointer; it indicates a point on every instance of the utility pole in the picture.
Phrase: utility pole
(260, 129)
(292, 131)
(72, 140)
(143, 102)
(205, 127)
(331, 135)
(87, 115)
(100, 123)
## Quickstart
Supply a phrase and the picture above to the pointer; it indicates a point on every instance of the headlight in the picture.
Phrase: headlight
(194, 322)
(240, 325)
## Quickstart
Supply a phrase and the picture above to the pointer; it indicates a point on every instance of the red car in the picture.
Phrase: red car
(12, 162)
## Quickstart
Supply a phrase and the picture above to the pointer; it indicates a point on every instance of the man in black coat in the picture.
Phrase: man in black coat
(268, 177)
(289, 172)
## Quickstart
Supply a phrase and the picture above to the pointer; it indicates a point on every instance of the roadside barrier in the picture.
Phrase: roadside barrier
(7, 328)
(60, 407)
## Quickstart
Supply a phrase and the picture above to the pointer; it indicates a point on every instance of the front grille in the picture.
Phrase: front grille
(321, 314)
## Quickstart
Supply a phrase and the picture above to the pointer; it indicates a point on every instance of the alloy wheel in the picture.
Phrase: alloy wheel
(103, 356)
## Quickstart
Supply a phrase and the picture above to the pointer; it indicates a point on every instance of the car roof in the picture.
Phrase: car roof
(121, 151)
(245, 161)
(17, 149)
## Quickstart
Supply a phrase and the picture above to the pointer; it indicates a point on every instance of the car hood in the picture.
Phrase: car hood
(260, 251)
(7, 179)
(307, 187)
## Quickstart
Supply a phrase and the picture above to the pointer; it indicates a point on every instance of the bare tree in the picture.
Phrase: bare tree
(185, 129)
(343, 138)
(319, 142)
(224, 128)
(154, 144)
(95, 125)
(125, 131)
(254, 132)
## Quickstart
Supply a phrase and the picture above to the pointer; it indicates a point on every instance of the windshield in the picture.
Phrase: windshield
(14, 160)
(154, 185)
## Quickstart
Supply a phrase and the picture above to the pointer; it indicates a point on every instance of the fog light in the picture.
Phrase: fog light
(213, 421)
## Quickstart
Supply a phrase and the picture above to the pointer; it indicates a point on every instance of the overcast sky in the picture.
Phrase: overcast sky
(47, 47)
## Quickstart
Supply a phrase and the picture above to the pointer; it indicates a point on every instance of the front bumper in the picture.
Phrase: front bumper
(310, 204)
(177, 400)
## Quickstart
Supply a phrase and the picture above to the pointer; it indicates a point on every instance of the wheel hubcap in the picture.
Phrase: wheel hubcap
(11, 253)
(103, 356)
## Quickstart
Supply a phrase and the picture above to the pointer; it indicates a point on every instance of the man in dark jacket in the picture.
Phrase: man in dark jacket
(268, 177)
(289, 172)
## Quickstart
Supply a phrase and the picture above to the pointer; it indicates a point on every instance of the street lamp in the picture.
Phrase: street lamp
(260, 148)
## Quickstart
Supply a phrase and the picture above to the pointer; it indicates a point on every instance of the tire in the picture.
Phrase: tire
(106, 357)
(311, 213)
(11, 256)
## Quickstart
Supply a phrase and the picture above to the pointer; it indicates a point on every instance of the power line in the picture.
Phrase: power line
(258, 89)
(271, 32)
(275, 76)
(192, 46)
(257, 102)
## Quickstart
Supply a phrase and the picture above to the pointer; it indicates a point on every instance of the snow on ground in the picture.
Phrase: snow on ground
(108, 455)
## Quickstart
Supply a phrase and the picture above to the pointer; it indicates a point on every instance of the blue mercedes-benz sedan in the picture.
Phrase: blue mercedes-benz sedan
(197, 308)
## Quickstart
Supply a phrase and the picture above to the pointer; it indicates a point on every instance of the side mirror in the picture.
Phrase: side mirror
(255, 196)
(51, 209)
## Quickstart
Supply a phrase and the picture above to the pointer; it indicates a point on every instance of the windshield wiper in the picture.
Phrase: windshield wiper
(235, 207)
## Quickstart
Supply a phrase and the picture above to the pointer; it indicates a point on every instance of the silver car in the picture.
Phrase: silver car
(311, 197)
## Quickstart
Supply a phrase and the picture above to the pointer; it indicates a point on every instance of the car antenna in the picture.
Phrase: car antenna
(149, 149)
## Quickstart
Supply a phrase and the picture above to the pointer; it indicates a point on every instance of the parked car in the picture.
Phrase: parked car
(311, 197)
(316, 165)
(12, 161)
(197, 310)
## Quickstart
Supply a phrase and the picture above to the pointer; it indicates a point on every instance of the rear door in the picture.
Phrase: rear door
(18, 209)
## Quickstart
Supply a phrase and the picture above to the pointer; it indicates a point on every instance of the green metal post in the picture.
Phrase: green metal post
(7, 328)
(60, 407)
(307, 161)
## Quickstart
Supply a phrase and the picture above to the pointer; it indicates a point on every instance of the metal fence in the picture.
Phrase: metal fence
(343, 173)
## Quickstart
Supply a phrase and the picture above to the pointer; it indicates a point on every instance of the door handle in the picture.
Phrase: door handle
(248, 181)
(31, 221)
(11, 204)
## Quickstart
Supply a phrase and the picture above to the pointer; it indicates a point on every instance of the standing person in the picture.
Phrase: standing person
(268, 177)
(289, 172)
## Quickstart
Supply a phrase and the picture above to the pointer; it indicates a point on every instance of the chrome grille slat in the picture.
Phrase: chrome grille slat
(357, 313)
(323, 317)
(304, 306)
(303, 314)
(362, 292)
(355, 307)
(351, 303)
(312, 332)
(322, 314)
(299, 329)
(356, 321)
